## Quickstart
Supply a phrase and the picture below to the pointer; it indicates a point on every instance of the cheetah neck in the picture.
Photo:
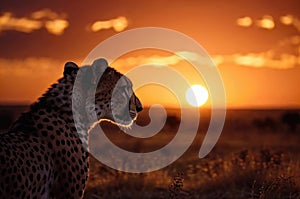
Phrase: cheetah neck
(55, 102)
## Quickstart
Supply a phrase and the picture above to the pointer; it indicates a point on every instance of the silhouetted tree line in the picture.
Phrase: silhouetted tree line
(266, 123)
(292, 119)
(289, 120)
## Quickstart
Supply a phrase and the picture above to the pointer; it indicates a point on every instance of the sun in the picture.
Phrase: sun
(196, 95)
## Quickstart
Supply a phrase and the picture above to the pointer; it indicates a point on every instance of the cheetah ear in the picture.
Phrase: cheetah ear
(69, 68)
(98, 67)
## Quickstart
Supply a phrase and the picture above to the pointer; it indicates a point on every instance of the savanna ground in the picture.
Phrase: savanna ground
(257, 156)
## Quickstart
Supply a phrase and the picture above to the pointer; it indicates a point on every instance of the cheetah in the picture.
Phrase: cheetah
(44, 154)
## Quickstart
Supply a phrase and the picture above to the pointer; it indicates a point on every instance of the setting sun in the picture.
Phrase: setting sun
(196, 95)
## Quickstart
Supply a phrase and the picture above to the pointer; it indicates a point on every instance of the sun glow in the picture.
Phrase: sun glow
(196, 95)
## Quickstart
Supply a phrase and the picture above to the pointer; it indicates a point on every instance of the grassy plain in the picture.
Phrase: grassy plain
(257, 156)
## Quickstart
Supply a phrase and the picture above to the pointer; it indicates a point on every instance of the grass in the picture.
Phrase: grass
(227, 172)
(257, 156)
(249, 161)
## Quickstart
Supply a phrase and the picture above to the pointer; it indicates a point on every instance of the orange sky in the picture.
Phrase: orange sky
(255, 44)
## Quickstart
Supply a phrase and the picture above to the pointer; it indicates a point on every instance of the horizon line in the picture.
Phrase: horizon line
(259, 107)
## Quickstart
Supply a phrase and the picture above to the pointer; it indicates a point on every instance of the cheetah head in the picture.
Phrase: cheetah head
(109, 95)
(115, 99)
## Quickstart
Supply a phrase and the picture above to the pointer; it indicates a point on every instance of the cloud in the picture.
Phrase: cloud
(56, 26)
(43, 66)
(199, 59)
(23, 80)
(292, 40)
(244, 21)
(154, 60)
(161, 61)
(40, 66)
(286, 20)
(170, 60)
(256, 60)
(218, 59)
(249, 60)
(261, 60)
(53, 22)
(285, 61)
(266, 22)
(46, 14)
(290, 20)
(118, 24)
(8, 22)
(281, 60)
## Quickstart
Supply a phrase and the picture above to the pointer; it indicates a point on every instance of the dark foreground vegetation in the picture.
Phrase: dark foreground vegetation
(257, 156)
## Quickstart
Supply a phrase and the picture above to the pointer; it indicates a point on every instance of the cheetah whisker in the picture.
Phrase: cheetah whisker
(124, 127)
